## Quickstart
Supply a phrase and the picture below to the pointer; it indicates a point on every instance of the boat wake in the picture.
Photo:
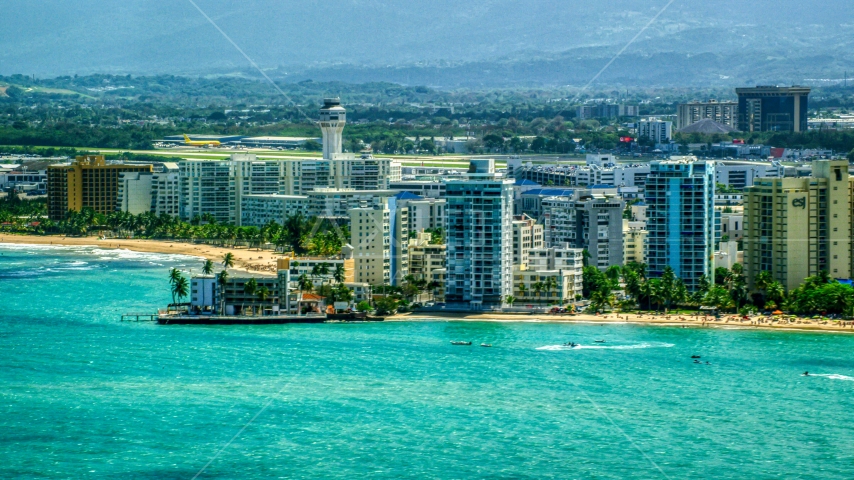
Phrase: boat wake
(556, 348)
(833, 376)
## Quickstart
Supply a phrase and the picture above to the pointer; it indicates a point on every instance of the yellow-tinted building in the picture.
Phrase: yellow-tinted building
(797, 227)
(88, 182)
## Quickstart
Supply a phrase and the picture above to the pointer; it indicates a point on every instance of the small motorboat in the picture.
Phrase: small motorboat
(485, 344)
(695, 356)
(460, 343)
(599, 341)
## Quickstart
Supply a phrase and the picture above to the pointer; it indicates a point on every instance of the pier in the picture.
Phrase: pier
(237, 319)
(139, 317)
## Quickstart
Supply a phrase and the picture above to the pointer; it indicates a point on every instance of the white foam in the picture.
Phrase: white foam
(553, 348)
(833, 376)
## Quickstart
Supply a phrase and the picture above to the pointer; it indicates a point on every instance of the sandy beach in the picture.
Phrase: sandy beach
(725, 321)
(263, 262)
(258, 262)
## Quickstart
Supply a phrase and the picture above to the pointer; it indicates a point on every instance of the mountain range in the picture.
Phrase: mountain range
(441, 43)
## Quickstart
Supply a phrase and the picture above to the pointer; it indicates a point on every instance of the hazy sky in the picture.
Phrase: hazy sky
(139, 36)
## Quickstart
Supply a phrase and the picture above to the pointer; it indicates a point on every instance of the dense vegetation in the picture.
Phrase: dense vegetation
(820, 294)
(124, 112)
(303, 236)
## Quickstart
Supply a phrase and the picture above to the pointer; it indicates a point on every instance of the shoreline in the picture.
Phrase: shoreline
(256, 262)
(725, 322)
(262, 263)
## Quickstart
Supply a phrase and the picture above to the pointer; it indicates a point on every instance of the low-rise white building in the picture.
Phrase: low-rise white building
(728, 255)
(553, 276)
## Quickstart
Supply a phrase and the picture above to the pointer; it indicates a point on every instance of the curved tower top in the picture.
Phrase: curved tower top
(332, 119)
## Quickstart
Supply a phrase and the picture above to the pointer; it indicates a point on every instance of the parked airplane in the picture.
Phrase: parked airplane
(200, 143)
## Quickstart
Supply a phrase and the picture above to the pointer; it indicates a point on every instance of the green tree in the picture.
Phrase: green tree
(510, 300)
(249, 288)
(228, 260)
(222, 281)
(207, 269)
(385, 305)
(339, 274)
(263, 293)
(174, 275)
(180, 289)
(305, 284)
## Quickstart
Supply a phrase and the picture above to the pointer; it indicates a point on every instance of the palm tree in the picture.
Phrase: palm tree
(601, 298)
(551, 285)
(174, 275)
(339, 273)
(775, 292)
(323, 271)
(305, 284)
(523, 289)
(180, 289)
(262, 294)
(228, 260)
(538, 288)
(763, 279)
(510, 299)
(249, 288)
(207, 269)
(222, 280)
(315, 271)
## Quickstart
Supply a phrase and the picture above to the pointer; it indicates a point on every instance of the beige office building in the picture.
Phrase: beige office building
(797, 227)
(370, 236)
(527, 235)
(425, 257)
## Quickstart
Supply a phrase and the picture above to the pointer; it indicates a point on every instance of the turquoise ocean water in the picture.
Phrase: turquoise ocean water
(85, 396)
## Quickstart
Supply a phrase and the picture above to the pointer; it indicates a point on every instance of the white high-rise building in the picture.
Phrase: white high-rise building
(479, 231)
(166, 191)
(655, 130)
(134, 192)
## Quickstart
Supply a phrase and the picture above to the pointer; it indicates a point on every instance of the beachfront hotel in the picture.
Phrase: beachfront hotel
(88, 182)
(796, 227)
(479, 231)
(681, 227)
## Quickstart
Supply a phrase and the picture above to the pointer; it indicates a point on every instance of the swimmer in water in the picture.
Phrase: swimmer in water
(806, 374)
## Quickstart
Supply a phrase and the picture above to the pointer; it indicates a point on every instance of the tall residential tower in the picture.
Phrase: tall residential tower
(682, 234)
(478, 222)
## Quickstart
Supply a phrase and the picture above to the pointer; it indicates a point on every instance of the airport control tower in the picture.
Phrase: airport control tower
(332, 120)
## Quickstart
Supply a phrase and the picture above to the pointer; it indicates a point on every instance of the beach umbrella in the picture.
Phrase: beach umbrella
(776, 312)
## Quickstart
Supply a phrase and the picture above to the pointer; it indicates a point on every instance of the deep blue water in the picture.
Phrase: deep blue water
(83, 395)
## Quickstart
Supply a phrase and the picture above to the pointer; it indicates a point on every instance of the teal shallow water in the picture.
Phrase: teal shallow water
(85, 396)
